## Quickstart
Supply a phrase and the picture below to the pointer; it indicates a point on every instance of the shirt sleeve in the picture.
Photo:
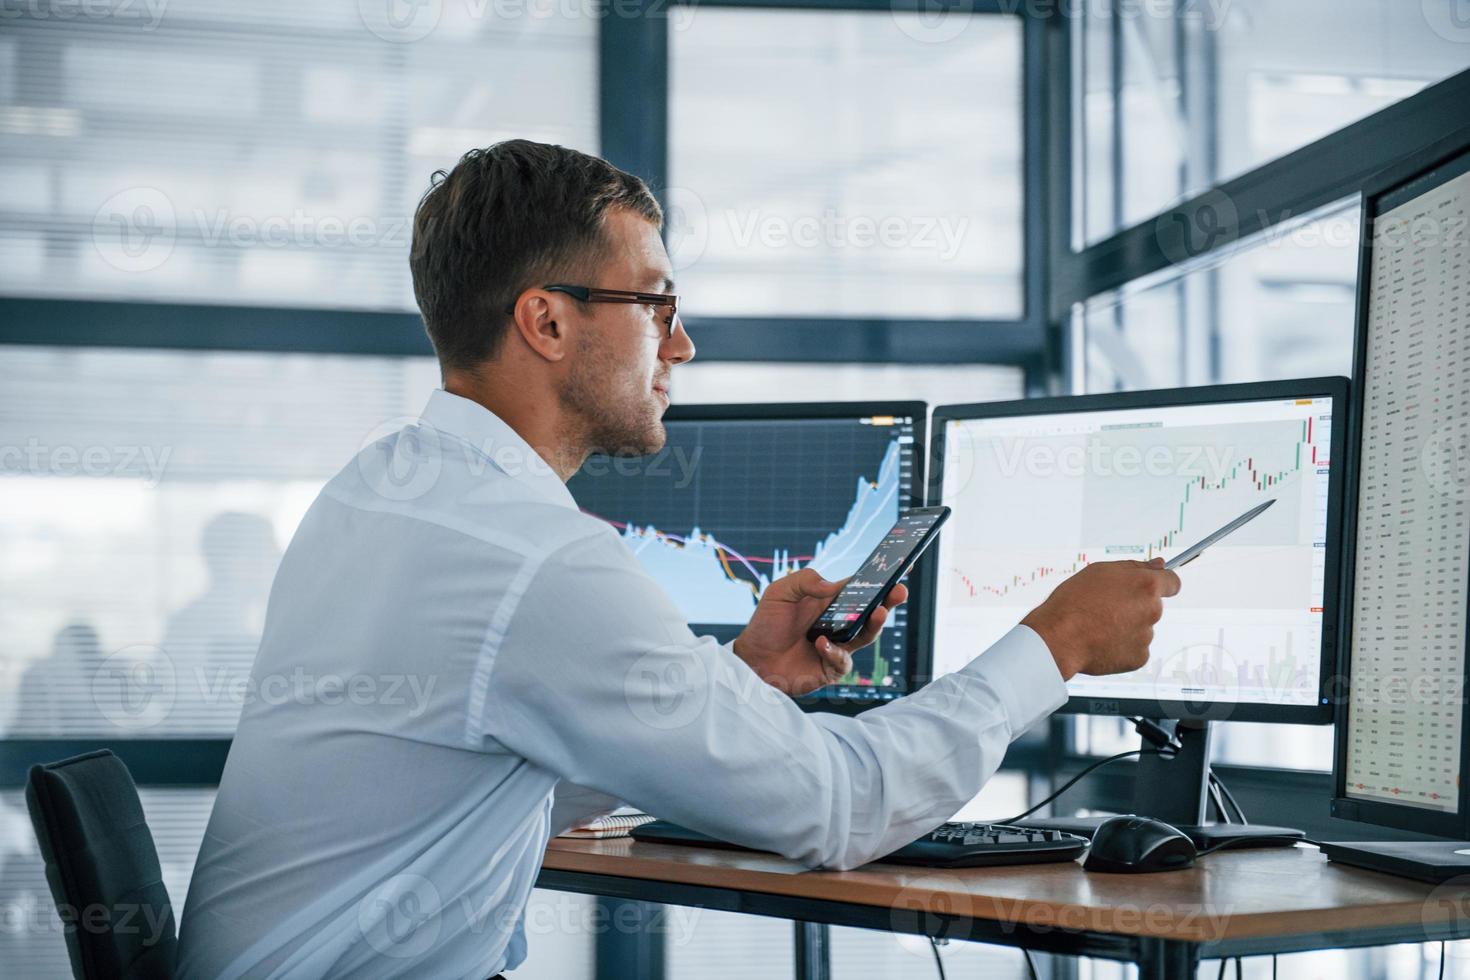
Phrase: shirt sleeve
(575, 806)
(599, 680)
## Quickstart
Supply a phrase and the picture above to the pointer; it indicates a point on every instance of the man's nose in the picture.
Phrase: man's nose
(677, 347)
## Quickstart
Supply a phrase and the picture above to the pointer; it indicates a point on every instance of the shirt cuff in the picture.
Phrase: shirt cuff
(1023, 673)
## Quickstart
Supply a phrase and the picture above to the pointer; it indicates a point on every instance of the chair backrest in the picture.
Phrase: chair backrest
(103, 868)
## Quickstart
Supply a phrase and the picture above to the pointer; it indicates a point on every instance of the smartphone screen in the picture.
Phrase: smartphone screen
(894, 556)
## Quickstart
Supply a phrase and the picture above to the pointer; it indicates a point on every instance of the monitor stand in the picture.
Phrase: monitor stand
(1175, 789)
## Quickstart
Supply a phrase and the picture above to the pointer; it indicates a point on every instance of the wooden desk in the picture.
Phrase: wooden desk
(1240, 903)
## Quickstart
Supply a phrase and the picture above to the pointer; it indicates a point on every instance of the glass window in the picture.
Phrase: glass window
(261, 153)
(715, 381)
(148, 496)
(845, 164)
(1172, 103)
(1279, 305)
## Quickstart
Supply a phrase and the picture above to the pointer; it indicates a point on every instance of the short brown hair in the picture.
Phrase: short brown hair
(506, 218)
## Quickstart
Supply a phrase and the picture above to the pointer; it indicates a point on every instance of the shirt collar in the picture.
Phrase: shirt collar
(487, 434)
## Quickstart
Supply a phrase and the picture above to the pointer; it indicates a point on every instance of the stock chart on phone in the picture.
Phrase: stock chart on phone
(730, 505)
(1038, 497)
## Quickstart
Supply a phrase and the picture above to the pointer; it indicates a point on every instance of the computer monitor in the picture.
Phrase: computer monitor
(1041, 488)
(743, 494)
(1402, 737)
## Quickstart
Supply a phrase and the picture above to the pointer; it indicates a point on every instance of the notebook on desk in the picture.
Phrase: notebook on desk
(618, 824)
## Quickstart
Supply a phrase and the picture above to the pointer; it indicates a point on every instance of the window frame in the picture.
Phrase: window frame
(633, 126)
(1328, 170)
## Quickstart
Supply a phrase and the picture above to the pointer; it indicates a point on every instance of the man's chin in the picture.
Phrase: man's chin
(643, 443)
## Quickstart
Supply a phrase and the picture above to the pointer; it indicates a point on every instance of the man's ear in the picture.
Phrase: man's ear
(536, 319)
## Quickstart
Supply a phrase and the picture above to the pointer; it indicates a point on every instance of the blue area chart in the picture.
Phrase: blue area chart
(700, 572)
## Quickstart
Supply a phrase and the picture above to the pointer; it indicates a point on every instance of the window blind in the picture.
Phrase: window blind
(264, 153)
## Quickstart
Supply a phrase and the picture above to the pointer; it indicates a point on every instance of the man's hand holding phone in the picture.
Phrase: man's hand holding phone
(775, 642)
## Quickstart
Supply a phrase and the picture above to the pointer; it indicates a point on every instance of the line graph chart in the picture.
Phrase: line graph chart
(737, 504)
(1038, 498)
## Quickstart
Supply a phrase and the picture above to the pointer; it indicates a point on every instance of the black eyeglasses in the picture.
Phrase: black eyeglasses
(592, 294)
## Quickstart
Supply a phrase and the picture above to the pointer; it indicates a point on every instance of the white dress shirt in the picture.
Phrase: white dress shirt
(450, 644)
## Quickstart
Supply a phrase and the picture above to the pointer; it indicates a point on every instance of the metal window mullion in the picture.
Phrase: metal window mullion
(1324, 171)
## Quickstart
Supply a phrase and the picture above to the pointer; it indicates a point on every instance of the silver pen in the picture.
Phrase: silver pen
(1193, 551)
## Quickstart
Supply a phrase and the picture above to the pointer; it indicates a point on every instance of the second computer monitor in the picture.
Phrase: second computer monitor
(743, 494)
(1042, 488)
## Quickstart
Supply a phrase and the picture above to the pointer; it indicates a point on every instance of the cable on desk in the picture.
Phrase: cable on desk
(1441, 959)
(1030, 964)
(1077, 778)
(938, 960)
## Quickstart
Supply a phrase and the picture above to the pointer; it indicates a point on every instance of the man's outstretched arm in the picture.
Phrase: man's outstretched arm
(599, 680)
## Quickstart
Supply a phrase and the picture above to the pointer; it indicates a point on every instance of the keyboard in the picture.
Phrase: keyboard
(951, 845)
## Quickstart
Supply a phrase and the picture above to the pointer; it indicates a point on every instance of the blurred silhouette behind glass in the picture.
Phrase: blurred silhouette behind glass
(211, 642)
(55, 699)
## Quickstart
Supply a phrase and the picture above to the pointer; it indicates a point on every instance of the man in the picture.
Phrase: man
(370, 829)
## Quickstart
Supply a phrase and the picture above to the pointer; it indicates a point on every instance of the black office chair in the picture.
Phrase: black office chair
(103, 868)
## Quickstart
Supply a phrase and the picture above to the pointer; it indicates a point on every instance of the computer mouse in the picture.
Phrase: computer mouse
(1131, 844)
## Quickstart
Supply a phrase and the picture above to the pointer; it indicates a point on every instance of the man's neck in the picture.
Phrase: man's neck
(541, 422)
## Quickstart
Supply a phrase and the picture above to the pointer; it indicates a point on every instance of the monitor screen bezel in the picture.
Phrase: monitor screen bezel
(1335, 388)
(917, 579)
(1386, 190)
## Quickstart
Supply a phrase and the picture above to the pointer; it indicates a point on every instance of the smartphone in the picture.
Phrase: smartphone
(889, 562)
